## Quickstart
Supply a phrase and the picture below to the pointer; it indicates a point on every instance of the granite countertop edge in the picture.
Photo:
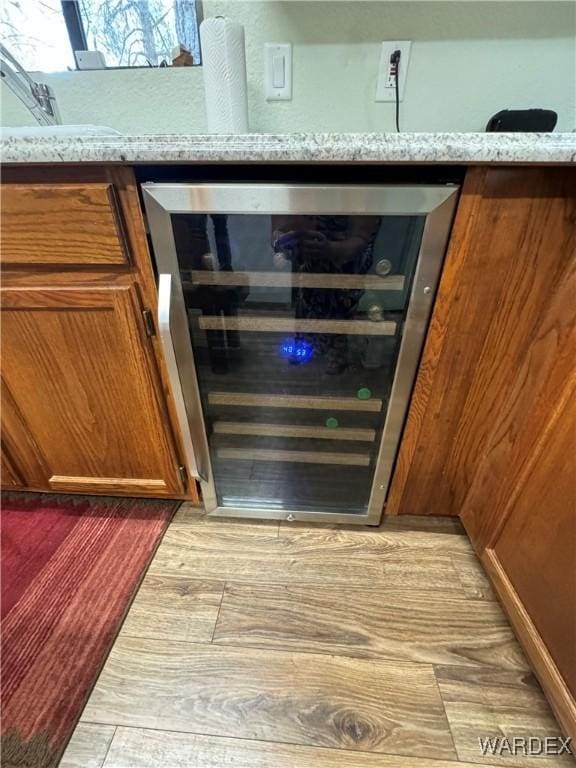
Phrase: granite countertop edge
(444, 148)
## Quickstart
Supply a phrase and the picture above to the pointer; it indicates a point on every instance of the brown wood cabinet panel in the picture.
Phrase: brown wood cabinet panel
(22, 463)
(80, 372)
(11, 477)
(61, 224)
(532, 559)
(537, 545)
(499, 347)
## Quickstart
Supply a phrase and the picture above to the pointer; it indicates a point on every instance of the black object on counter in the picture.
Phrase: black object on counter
(523, 120)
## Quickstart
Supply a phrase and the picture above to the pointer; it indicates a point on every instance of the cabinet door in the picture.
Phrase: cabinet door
(78, 369)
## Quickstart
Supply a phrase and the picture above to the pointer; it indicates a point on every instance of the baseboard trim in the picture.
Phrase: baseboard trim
(552, 682)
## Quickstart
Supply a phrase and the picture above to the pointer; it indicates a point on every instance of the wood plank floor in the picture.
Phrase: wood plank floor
(272, 645)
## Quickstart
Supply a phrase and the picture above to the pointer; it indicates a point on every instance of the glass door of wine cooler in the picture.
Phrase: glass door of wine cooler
(293, 319)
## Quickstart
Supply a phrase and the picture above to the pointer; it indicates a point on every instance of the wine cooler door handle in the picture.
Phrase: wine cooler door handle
(164, 326)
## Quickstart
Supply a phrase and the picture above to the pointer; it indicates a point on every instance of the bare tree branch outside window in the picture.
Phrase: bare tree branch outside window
(130, 33)
(140, 32)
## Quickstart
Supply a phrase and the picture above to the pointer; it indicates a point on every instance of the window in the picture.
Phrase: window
(35, 33)
(42, 34)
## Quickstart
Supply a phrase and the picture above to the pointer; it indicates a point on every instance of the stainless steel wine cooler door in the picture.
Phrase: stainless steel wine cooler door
(293, 319)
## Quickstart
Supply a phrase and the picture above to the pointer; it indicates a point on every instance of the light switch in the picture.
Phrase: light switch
(278, 63)
(278, 74)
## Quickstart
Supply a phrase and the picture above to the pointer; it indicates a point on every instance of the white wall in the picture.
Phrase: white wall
(469, 59)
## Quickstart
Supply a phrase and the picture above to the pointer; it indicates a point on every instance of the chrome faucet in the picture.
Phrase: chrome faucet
(38, 98)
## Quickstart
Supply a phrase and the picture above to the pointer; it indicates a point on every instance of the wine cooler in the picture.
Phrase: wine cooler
(292, 318)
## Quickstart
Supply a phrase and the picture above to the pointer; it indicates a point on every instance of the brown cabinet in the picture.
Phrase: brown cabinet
(491, 433)
(79, 367)
(85, 404)
(500, 343)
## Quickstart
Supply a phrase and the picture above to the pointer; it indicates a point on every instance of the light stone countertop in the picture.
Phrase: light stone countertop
(420, 148)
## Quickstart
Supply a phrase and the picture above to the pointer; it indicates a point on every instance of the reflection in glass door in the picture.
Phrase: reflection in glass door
(304, 311)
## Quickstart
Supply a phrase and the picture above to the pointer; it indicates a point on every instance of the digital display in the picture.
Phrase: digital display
(296, 349)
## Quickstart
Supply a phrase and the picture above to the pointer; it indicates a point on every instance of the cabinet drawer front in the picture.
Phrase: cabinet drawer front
(62, 225)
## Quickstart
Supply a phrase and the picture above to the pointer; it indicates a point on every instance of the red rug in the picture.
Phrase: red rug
(70, 567)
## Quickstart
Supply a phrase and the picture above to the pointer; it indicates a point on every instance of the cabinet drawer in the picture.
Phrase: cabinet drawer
(62, 225)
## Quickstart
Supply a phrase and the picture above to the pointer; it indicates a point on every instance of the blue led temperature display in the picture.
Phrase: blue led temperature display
(294, 349)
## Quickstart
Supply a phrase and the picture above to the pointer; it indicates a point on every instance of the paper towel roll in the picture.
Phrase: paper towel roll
(224, 66)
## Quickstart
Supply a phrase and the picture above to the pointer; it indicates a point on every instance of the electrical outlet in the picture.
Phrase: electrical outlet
(386, 87)
(391, 76)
